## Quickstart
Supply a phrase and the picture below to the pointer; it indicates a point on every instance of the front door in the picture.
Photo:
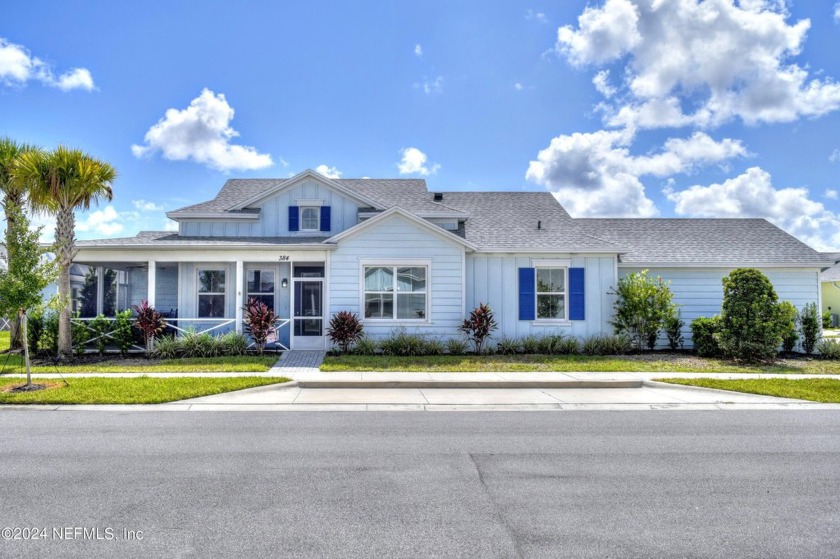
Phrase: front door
(308, 306)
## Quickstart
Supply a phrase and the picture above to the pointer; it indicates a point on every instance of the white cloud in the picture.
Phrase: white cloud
(329, 172)
(518, 86)
(540, 17)
(835, 156)
(837, 12)
(106, 221)
(202, 133)
(830, 193)
(691, 62)
(432, 87)
(169, 225)
(18, 66)
(418, 50)
(752, 194)
(601, 83)
(414, 162)
(146, 206)
(594, 174)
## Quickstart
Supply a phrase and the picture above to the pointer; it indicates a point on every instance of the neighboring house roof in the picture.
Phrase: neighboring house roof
(833, 273)
(703, 241)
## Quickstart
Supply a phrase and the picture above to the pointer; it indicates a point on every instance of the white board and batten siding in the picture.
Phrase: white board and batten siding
(274, 215)
(699, 291)
(493, 279)
(396, 240)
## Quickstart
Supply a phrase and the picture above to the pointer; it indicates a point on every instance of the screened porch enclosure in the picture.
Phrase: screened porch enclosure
(109, 288)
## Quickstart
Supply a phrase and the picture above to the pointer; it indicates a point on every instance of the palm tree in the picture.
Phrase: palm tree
(13, 195)
(60, 182)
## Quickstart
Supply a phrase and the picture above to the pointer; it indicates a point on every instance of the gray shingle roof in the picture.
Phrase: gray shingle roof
(723, 241)
(169, 238)
(833, 273)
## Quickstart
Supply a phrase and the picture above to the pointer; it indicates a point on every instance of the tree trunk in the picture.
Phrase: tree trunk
(25, 348)
(65, 224)
(14, 332)
(16, 200)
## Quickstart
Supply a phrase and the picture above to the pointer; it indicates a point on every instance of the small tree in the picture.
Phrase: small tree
(259, 321)
(705, 333)
(345, 330)
(479, 326)
(749, 316)
(788, 317)
(643, 304)
(809, 326)
(26, 275)
(149, 322)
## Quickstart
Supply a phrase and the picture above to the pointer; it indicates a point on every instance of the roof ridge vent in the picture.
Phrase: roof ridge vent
(438, 197)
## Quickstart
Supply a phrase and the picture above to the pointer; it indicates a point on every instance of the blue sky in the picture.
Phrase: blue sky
(620, 107)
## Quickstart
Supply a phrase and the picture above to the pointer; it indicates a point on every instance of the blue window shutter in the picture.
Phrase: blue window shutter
(325, 218)
(294, 217)
(577, 297)
(527, 294)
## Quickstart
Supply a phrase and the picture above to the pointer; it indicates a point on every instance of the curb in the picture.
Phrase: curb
(470, 383)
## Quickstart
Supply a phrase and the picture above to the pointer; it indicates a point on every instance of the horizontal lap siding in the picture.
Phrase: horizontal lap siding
(493, 279)
(699, 292)
(396, 239)
(274, 215)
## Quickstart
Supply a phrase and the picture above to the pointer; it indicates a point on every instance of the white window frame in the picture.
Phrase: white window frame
(317, 211)
(198, 294)
(552, 265)
(402, 263)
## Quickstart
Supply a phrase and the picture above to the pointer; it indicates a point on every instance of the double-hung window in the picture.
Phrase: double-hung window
(551, 293)
(211, 293)
(310, 218)
(395, 292)
(261, 286)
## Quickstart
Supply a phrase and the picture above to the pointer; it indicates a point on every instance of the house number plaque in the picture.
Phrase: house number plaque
(284, 258)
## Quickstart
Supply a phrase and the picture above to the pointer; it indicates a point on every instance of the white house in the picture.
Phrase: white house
(401, 256)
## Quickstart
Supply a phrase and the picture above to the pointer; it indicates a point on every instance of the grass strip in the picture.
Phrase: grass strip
(825, 390)
(142, 390)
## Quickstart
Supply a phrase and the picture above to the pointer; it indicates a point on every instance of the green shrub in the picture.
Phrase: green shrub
(100, 327)
(530, 344)
(344, 330)
(788, 318)
(167, 347)
(809, 326)
(123, 333)
(34, 329)
(231, 344)
(826, 320)
(673, 325)
(365, 346)
(704, 335)
(456, 346)
(828, 349)
(508, 346)
(601, 344)
(749, 316)
(433, 347)
(568, 346)
(479, 326)
(642, 305)
(550, 344)
(402, 343)
(199, 345)
(79, 333)
(49, 337)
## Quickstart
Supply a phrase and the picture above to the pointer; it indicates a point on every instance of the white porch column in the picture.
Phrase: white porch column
(237, 290)
(152, 283)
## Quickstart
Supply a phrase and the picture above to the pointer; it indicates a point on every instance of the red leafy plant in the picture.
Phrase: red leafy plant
(479, 326)
(345, 329)
(149, 322)
(259, 321)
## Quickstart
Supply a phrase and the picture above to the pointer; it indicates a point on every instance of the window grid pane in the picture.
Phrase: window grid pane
(410, 284)
(309, 218)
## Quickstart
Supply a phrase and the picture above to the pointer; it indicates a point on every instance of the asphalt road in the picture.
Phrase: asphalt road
(414, 484)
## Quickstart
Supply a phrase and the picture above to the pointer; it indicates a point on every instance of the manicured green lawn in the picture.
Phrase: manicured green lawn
(239, 364)
(676, 363)
(815, 389)
(143, 390)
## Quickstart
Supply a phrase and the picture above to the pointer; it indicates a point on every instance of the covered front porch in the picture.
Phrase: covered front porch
(206, 291)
